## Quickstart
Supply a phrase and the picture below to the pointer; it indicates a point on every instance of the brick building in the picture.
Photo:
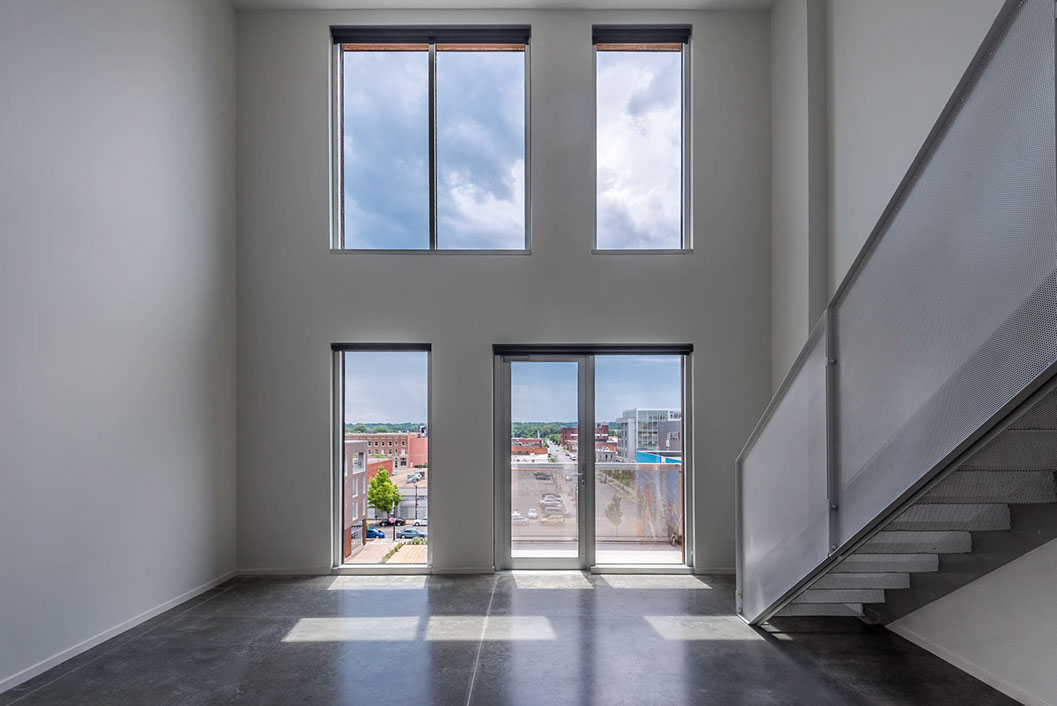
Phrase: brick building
(354, 495)
(405, 449)
(528, 450)
(569, 435)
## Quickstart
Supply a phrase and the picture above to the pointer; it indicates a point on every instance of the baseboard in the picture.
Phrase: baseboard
(464, 571)
(69, 653)
(316, 571)
(725, 570)
(970, 668)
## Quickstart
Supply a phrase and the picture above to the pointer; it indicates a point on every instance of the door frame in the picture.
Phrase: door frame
(585, 466)
(503, 355)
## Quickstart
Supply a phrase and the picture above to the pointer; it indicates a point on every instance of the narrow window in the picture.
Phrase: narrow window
(431, 138)
(640, 118)
(387, 527)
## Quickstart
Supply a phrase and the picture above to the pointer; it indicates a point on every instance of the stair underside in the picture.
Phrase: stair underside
(998, 505)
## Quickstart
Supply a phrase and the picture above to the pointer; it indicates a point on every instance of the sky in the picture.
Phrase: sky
(392, 387)
(639, 122)
(386, 387)
(546, 392)
(481, 149)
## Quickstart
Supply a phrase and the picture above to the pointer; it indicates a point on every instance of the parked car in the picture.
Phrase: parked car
(552, 520)
(551, 497)
(516, 518)
(542, 475)
(390, 521)
(553, 510)
(411, 533)
(414, 477)
(375, 533)
(421, 522)
(533, 514)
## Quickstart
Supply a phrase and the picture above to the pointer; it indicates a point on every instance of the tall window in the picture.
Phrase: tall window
(390, 524)
(640, 112)
(432, 138)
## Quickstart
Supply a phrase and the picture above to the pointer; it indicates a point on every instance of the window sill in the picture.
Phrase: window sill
(341, 251)
(672, 251)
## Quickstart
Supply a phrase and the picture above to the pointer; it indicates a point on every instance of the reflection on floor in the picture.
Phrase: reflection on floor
(519, 638)
(624, 553)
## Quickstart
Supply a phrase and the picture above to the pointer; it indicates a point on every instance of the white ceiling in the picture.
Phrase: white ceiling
(502, 4)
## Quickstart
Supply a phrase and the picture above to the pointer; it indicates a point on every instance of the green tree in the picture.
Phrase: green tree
(382, 494)
(614, 514)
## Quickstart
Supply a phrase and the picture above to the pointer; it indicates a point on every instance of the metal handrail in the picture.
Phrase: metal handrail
(838, 550)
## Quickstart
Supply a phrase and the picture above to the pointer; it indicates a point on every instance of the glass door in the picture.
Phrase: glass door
(593, 460)
(542, 475)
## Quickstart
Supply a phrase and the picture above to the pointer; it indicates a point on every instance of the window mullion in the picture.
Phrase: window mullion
(432, 146)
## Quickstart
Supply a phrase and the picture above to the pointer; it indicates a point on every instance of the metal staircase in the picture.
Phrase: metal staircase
(1000, 503)
(912, 448)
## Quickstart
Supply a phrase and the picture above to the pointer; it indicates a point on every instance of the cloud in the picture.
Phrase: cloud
(386, 143)
(480, 149)
(639, 179)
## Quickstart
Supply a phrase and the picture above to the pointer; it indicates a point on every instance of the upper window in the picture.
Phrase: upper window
(432, 138)
(641, 117)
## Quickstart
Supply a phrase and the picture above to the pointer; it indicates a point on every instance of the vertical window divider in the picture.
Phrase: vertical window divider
(432, 145)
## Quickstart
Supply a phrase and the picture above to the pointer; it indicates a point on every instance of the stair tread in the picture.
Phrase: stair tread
(841, 595)
(923, 542)
(880, 563)
(867, 580)
(953, 516)
(1017, 449)
(979, 486)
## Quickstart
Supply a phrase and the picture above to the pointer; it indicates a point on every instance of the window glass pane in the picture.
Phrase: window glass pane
(638, 449)
(386, 149)
(480, 147)
(390, 515)
(639, 157)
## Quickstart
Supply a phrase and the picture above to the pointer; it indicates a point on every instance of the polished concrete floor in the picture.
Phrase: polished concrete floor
(524, 638)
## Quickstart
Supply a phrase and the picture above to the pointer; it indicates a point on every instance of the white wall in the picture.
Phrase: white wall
(798, 177)
(893, 65)
(117, 313)
(1000, 628)
(295, 297)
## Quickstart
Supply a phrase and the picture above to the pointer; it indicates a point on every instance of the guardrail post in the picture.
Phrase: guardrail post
(832, 429)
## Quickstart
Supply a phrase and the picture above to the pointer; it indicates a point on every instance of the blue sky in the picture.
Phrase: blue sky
(480, 149)
(386, 387)
(544, 392)
(391, 387)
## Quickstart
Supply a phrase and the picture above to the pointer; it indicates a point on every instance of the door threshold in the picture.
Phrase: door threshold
(658, 569)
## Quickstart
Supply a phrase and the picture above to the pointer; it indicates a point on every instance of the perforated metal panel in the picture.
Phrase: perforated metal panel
(954, 311)
(785, 513)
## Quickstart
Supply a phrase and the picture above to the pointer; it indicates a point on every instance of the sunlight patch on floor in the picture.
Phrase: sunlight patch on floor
(701, 627)
(651, 581)
(376, 583)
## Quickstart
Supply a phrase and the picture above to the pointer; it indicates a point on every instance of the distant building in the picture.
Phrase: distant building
(670, 435)
(406, 449)
(354, 495)
(569, 435)
(528, 450)
(605, 450)
(379, 464)
(640, 430)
